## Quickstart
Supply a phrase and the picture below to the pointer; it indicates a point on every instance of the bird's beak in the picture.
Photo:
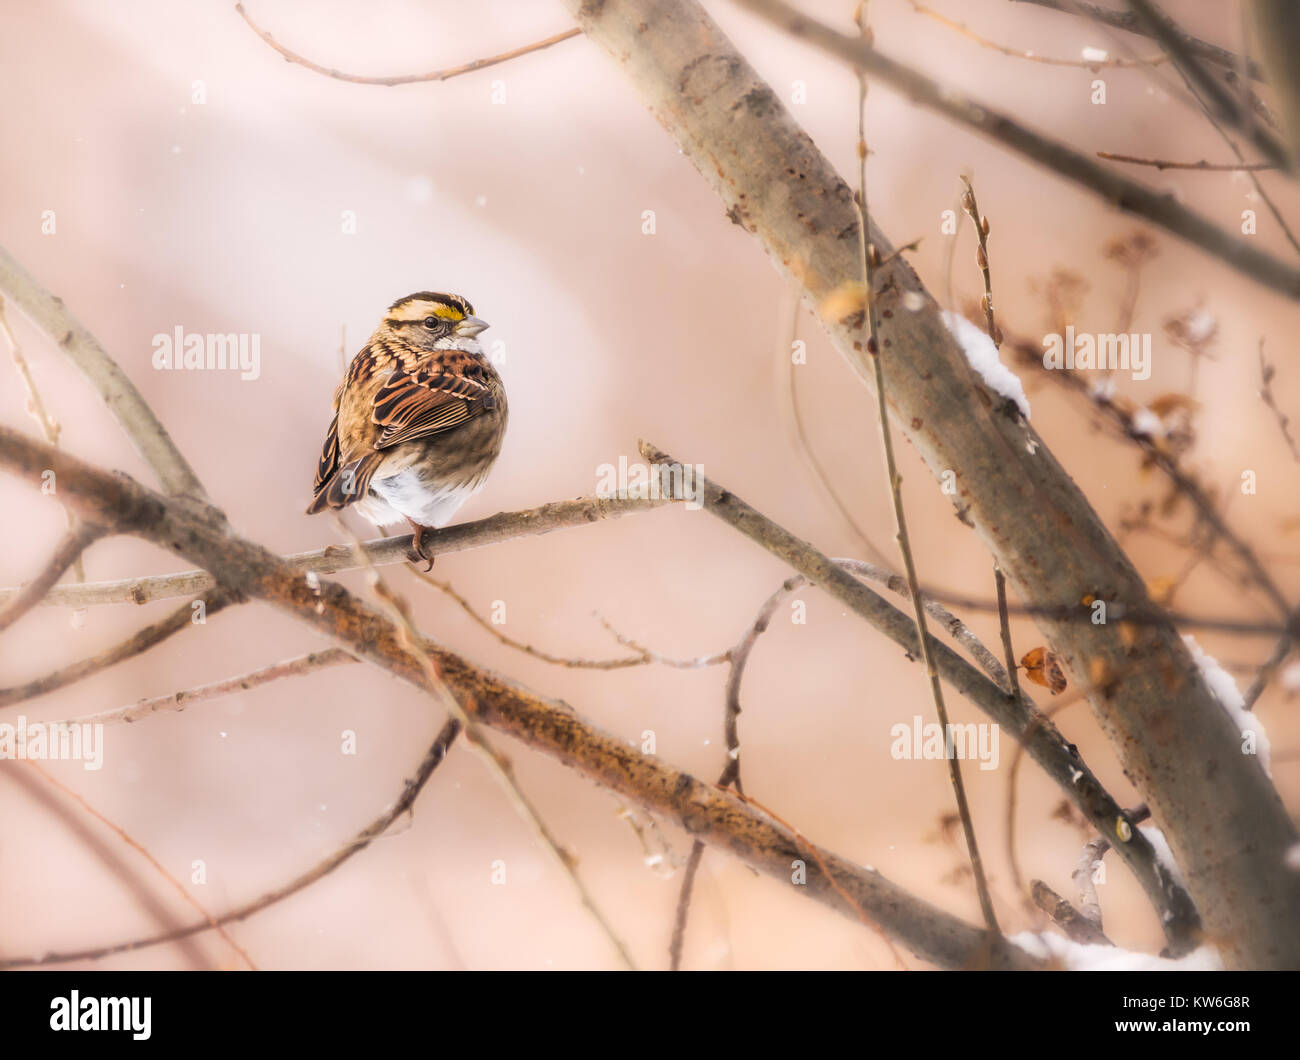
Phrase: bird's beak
(471, 326)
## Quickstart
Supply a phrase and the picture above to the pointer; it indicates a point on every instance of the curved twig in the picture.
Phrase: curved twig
(403, 79)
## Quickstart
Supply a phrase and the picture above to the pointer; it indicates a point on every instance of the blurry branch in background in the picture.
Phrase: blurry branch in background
(142, 426)
(641, 658)
(1277, 36)
(804, 445)
(1266, 374)
(404, 803)
(404, 79)
(332, 559)
(176, 884)
(109, 854)
(139, 642)
(36, 407)
(1130, 23)
(718, 817)
(178, 701)
(1163, 163)
(1158, 207)
(66, 553)
(1047, 60)
(1123, 415)
(1222, 107)
(1222, 104)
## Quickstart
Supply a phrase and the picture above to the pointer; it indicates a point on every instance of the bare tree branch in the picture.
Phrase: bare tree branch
(332, 559)
(155, 633)
(1075, 925)
(66, 553)
(1129, 22)
(404, 79)
(1164, 163)
(1213, 96)
(178, 701)
(144, 428)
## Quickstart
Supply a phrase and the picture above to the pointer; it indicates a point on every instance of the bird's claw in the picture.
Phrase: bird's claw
(418, 551)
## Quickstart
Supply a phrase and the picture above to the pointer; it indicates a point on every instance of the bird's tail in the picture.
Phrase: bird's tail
(347, 485)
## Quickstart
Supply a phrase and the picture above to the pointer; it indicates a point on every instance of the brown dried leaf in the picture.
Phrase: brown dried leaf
(1043, 667)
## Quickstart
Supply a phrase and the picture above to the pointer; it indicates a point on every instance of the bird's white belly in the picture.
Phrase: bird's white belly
(407, 494)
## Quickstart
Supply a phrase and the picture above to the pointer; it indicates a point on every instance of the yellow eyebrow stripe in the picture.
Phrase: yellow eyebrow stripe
(419, 310)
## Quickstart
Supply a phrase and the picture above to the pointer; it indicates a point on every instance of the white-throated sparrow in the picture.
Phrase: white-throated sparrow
(418, 419)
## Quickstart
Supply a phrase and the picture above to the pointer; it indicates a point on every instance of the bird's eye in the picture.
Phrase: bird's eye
(431, 323)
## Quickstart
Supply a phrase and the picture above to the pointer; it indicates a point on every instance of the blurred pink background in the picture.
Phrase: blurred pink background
(225, 216)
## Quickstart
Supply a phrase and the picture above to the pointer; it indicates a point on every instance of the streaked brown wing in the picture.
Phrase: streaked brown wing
(329, 457)
(427, 401)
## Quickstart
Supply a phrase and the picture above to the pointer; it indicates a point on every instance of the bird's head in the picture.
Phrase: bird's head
(434, 321)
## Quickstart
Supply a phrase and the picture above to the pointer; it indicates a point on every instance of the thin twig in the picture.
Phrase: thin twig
(1179, 916)
(684, 906)
(805, 447)
(178, 701)
(334, 559)
(69, 549)
(1266, 672)
(1017, 53)
(981, 223)
(136, 644)
(1165, 163)
(49, 425)
(1266, 373)
(870, 342)
(404, 79)
(1129, 22)
(697, 663)
(446, 589)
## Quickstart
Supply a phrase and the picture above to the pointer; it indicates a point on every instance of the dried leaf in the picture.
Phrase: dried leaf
(1043, 667)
